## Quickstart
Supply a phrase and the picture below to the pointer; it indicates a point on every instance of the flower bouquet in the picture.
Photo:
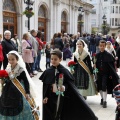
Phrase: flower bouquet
(3, 78)
(71, 65)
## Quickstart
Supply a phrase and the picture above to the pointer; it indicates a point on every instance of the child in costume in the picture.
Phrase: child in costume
(107, 77)
(83, 77)
(13, 106)
(61, 100)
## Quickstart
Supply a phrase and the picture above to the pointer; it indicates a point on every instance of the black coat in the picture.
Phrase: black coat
(74, 107)
(8, 45)
(58, 43)
(108, 68)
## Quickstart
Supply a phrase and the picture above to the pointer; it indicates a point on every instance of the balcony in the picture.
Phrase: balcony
(115, 2)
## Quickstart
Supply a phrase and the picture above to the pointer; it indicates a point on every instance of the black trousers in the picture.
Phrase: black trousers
(29, 67)
(102, 82)
(5, 63)
(0, 64)
(47, 64)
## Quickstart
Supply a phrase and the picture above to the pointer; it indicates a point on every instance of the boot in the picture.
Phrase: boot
(104, 104)
(101, 103)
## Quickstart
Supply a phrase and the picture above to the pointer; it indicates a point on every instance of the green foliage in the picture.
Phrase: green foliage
(105, 28)
(28, 13)
(94, 30)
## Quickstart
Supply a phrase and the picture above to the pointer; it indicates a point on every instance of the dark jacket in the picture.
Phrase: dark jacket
(7, 46)
(47, 51)
(98, 38)
(66, 53)
(58, 43)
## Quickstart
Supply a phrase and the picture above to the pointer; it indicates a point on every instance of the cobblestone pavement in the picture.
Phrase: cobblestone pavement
(94, 101)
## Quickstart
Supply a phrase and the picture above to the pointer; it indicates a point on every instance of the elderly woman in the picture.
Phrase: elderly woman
(7, 46)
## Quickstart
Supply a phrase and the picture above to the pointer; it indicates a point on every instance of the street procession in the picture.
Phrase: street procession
(60, 60)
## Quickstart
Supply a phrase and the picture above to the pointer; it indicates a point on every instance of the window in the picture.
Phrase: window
(93, 22)
(112, 21)
(114, 1)
(93, 11)
(42, 12)
(116, 9)
(116, 22)
(113, 9)
(9, 5)
(105, 10)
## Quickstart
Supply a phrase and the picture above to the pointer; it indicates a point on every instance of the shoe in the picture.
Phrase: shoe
(104, 104)
(31, 75)
(35, 72)
(101, 103)
(39, 70)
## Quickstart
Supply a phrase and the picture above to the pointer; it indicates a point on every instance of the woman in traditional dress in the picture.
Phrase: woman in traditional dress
(13, 105)
(83, 70)
(109, 48)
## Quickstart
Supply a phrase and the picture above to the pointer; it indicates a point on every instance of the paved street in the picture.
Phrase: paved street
(94, 101)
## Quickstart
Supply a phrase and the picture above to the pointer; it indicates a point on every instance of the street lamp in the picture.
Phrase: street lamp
(104, 23)
(81, 12)
(29, 8)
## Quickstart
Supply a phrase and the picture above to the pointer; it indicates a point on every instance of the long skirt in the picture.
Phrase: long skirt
(26, 113)
(84, 82)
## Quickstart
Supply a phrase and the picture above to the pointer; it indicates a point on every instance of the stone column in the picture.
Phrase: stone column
(19, 26)
(57, 16)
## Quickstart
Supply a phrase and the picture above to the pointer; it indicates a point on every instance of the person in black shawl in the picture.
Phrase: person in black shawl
(107, 77)
(72, 105)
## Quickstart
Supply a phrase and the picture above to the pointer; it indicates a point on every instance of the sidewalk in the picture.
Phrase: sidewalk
(94, 101)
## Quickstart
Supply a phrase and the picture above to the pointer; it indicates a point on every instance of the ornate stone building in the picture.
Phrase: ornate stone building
(50, 16)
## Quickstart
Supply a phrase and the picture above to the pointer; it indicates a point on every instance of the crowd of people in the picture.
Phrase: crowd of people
(96, 59)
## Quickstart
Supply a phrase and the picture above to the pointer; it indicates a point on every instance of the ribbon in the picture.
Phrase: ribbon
(59, 93)
(95, 70)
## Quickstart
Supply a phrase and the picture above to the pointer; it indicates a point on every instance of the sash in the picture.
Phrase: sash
(88, 71)
(30, 99)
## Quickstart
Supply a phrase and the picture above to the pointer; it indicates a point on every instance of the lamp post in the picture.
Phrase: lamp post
(81, 12)
(29, 3)
(104, 24)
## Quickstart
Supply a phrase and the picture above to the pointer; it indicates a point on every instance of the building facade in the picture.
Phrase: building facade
(110, 8)
(50, 16)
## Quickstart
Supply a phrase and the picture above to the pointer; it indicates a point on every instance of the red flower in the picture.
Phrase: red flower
(44, 42)
(94, 54)
(71, 63)
(3, 74)
(61, 75)
(114, 46)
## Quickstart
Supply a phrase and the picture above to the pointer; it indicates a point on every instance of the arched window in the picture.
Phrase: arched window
(10, 16)
(42, 24)
(64, 17)
(9, 5)
(42, 12)
(64, 22)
